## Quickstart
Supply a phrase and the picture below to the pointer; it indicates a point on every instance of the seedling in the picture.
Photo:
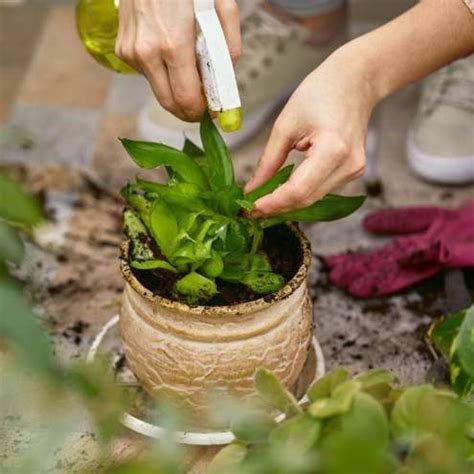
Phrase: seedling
(195, 225)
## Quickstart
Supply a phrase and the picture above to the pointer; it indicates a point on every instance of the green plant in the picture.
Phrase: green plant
(453, 338)
(197, 218)
(362, 425)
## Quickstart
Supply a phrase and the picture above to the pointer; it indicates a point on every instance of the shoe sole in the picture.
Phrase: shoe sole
(438, 169)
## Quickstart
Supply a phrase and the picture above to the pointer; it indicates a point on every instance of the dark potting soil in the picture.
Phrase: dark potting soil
(280, 245)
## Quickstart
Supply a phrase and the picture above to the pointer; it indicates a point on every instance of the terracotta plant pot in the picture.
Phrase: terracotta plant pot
(183, 352)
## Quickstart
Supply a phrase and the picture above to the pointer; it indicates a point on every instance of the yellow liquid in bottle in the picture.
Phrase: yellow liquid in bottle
(97, 24)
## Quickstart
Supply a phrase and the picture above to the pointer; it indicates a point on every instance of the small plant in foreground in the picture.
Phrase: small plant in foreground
(363, 425)
(194, 225)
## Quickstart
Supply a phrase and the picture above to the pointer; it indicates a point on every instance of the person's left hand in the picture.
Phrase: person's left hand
(327, 118)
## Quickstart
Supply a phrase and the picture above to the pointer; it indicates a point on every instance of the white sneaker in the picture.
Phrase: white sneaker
(277, 56)
(440, 143)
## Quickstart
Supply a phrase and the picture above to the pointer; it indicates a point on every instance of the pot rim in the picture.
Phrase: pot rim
(241, 308)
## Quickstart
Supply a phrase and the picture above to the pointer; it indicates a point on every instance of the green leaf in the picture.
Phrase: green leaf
(186, 195)
(192, 253)
(227, 460)
(415, 412)
(225, 200)
(453, 337)
(152, 265)
(253, 271)
(269, 186)
(275, 394)
(263, 283)
(245, 204)
(219, 163)
(253, 426)
(150, 155)
(233, 242)
(11, 246)
(375, 377)
(20, 329)
(132, 225)
(196, 288)
(195, 152)
(164, 228)
(444, 332)
(461, 382)
(17, 205)
(330, 208)
(138, 202)
(359, 442)
(423, 413)
(191, 149)
(465, 343)
(338, 403)
(297, 435)
(325, 386)
(236, 272)
(214, 266)
(135, 229)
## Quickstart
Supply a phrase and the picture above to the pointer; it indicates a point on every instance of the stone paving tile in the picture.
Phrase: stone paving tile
(62, 73)
(128, 93)
(58, 135)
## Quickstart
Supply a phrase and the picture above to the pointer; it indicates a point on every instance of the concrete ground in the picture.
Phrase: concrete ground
(61, 114)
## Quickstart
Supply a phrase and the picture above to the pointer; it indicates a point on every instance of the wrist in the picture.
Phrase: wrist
(354, 61)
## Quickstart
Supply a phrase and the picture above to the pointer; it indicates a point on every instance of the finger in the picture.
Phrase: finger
(327, 166)
(276, 152)
(179, 56)
(302, 189)
(186, 87)
(157, 75)
(308, 182)
(228, 12)
(124, 43)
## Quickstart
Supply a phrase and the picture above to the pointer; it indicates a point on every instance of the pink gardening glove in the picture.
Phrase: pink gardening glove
(438, 238)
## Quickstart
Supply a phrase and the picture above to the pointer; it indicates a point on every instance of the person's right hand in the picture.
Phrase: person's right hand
(157, 38)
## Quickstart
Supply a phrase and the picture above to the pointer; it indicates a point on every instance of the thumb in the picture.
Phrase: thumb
(276, 151)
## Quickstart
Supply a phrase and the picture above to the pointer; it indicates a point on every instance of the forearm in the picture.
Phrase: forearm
(428, 36)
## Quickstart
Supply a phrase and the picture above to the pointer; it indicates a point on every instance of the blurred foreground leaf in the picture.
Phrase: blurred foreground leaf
(17, 205)
(275, 394)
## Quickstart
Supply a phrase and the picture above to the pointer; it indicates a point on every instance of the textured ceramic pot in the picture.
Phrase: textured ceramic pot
(182, 353)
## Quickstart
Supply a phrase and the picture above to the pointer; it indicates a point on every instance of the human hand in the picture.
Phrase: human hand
(157, 38)
(327, 118)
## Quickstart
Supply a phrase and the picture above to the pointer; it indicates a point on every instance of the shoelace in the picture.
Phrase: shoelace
(453, 85)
